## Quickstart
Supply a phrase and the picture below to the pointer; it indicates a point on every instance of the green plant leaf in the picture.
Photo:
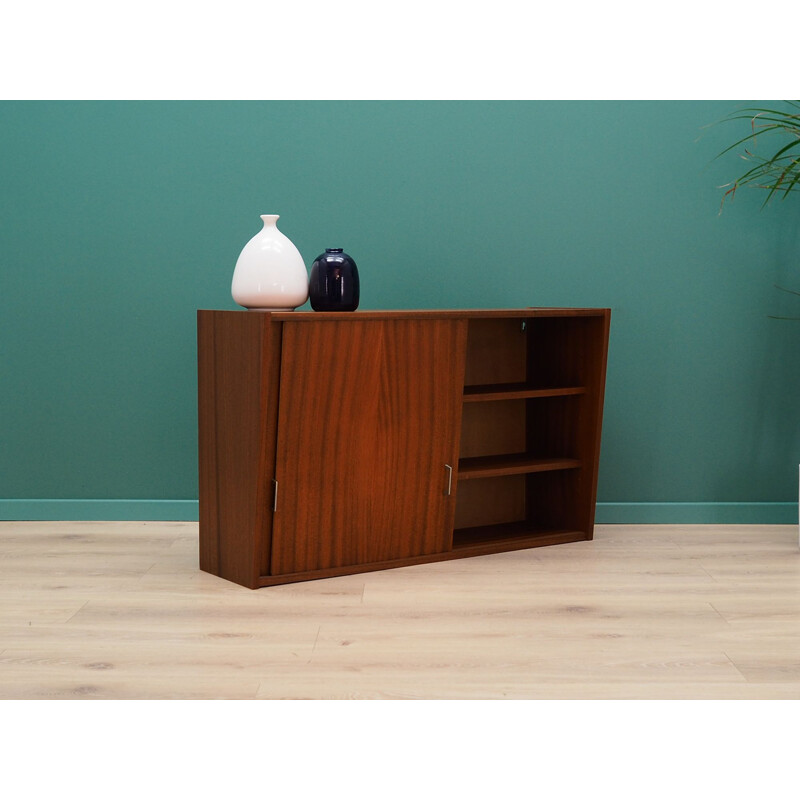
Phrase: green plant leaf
(778, 172)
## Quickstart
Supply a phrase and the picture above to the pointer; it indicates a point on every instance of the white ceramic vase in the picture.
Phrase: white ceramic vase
(270, 274)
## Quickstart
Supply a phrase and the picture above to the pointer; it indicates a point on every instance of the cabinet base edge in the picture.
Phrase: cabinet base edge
(465, 551)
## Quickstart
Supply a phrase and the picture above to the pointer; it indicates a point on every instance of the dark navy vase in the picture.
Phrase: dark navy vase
(333, 282)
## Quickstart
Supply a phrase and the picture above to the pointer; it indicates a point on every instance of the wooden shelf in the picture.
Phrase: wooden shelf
(512, 535)
(515, 464)
(516, 391)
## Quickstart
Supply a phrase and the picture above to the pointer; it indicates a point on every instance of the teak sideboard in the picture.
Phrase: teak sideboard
(334, 443)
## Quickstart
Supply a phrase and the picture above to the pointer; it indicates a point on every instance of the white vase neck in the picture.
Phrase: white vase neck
(270, 220)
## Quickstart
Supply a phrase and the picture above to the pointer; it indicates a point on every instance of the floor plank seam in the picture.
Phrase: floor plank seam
(733, 664)
(722, 616)
(314, 647)
(709, 574)
(77, 612)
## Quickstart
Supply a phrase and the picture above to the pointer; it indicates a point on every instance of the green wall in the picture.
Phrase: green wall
(120, 219)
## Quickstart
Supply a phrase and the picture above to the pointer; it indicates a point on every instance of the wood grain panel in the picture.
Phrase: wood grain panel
(515, 391)
(369, 415)
(496, 352)
(494, 466)
(207, 444)
(236, 372)
(491, 501)
(492, 428)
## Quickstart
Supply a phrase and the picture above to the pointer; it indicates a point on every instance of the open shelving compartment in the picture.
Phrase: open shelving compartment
(528, 453)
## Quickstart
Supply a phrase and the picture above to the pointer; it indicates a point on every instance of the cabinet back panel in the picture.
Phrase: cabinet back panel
(553, 426)
(496, 352)
(562, 351)
(490, 501)
(493, 428)
(551, 500)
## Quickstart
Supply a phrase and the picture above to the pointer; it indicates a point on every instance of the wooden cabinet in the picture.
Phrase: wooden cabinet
(338, 443)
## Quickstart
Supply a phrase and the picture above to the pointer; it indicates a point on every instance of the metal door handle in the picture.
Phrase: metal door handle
(449, 479)
(274, 495)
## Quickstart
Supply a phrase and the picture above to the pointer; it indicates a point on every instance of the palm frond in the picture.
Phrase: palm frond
(778, 173)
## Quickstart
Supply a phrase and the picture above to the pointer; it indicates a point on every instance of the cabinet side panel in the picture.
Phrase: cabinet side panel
(240, 344)
(207, 445)
(568, 351)
(596, 393)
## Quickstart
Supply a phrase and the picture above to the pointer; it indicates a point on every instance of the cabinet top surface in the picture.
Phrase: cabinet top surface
(308, 316)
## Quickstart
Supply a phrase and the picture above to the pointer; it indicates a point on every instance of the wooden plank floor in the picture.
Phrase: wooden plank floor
(121, 610)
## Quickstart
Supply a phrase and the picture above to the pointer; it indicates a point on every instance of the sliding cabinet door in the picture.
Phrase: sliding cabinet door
(368, 430)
